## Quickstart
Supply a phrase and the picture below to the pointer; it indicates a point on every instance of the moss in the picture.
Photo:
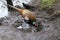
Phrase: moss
(47, 3)
(57, 13)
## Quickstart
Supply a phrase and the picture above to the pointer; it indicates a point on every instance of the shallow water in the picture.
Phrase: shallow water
(4, 9)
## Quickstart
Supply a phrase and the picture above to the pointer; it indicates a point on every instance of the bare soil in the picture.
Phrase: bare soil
(9, 32)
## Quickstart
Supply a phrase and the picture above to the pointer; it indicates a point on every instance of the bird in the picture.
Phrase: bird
(29, 7)
(29, 16)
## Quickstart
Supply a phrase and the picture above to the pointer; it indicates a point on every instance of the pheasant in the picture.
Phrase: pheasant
(29, 17)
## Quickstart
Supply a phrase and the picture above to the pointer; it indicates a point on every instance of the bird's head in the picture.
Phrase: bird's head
(34, 24)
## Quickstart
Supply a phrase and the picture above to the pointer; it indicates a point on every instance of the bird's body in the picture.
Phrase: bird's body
(29, 17)
(29, 14)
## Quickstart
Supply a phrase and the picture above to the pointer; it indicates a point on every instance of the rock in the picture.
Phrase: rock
(1, 20)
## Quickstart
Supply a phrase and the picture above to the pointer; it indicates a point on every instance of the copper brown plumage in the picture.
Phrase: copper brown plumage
(29, 14)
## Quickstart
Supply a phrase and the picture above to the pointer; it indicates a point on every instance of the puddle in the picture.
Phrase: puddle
(4, 9)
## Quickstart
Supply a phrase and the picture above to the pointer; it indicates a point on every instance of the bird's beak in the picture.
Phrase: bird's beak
(35, 26)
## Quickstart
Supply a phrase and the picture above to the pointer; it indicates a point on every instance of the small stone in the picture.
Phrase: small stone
(20, 27)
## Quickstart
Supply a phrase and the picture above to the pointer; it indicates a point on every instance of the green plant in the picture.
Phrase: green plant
(47, 3)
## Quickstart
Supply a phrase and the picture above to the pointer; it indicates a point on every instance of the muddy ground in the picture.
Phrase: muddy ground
(9, 32)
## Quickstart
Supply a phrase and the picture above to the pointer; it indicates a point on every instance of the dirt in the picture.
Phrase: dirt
(50, 31)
